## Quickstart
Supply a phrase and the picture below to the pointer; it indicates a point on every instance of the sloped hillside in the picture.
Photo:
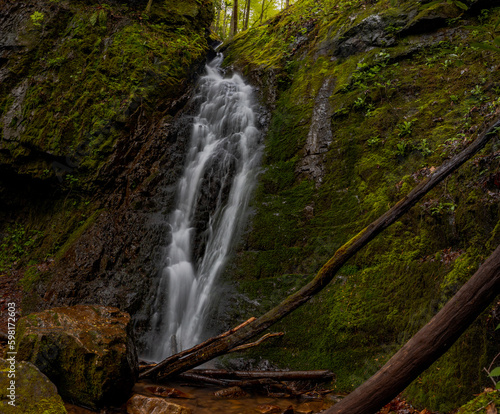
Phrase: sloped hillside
(364, 100)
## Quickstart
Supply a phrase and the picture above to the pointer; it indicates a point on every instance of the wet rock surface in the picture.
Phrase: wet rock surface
(320, 135)
(139, 404)
(85, 350)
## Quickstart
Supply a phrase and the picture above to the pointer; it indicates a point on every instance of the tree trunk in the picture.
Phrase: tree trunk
(320, 375)
(234, 19)
(287, 4)
(198, 355)
(217, 19)
(262, 11)
(224, 21)
(428, 344)
(246, 16)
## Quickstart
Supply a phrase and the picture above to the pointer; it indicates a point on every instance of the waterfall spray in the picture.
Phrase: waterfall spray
(224, 155)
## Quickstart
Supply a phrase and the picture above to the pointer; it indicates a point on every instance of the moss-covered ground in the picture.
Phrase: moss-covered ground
(401, 106)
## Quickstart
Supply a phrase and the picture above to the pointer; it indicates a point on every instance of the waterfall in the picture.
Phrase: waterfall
(221, 165)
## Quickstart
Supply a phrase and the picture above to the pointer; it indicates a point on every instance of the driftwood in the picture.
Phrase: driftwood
(204, 379)
(201, 354)
(271, 383)
(428, 344)
(256, 343)
(318, 375)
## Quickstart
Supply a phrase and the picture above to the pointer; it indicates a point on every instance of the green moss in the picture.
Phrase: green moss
(398, 113)
(87, 81)
(481, 403)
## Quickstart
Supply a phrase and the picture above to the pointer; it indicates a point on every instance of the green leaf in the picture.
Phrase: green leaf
(497, 24)
(498, 386)
(495, 372)
(498, 327)
(461, 5)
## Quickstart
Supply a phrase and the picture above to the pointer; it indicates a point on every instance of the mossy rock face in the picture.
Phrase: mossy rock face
(76, 79)
(34, 393)
(394, 91)
(84, 350)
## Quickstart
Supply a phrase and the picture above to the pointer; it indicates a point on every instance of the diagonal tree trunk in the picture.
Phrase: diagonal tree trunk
(198, 355)
(428, 344)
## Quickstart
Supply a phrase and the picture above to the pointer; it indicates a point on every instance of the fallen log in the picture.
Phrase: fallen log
(203, 379)
(152, 368)
(201, 354)
(428, 344)
(318, 375)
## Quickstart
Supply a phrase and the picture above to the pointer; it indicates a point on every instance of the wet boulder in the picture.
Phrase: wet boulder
(25, 390)
(87, 351)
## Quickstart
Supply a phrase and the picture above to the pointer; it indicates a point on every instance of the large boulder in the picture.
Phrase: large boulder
(86, 351)
(25, 390)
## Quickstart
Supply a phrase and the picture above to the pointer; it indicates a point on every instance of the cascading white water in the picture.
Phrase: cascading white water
(223, 155)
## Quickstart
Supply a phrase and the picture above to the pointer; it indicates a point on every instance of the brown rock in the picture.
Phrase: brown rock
(269, 409)
(233, 392)
(84, 350)
(139, 404)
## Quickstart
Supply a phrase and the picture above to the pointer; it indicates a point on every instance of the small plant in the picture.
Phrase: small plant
(369, 109)
(37, 18)
(402, 148)
(454, 98)
(424, 148)
(441, 208)
(374, 141)
(405, 129)
(360, 102)
(447, 63)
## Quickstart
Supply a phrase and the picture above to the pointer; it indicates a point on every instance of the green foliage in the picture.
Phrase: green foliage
(405, 129)
(37, 18)
(487, 29)
(16, 244)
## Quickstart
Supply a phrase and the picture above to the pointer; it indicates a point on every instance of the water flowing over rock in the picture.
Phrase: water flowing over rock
(85, 350)
(211, 204)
